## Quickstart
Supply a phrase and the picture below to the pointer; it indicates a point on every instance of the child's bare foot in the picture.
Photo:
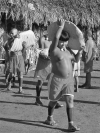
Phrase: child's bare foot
(38, 102)
(50, 121)
(76, 90)
(73, 128)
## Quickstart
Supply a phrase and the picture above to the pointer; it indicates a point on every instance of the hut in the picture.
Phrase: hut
(38, 14)
(84, 13)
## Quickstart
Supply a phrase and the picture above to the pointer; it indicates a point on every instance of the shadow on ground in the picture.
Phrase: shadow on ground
(33, 123)
(92, 87)
(28, 96)
(87, 102)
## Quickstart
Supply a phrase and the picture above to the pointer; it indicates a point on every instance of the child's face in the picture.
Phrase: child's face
(61, 44)
(14, 33)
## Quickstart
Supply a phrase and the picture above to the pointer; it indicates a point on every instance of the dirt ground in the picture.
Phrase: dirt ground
(19, 114)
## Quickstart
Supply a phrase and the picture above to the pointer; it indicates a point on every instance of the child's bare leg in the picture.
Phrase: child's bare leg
(51, 107)
(76, 82)
(6, 77)
(69, 110)
(9, 81)
(38, 92)
(13, 81)
(20, 81)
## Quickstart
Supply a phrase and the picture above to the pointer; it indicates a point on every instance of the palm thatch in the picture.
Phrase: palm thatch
(85, 12)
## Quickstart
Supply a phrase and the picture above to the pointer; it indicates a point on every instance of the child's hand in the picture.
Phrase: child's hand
(61, 22)
(81, 48)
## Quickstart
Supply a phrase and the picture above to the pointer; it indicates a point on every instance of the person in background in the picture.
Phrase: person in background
(7, 55)
(16, 61)
(76, 72)
(43, 68)
(61, 81)
(26, 53)
(89, 53)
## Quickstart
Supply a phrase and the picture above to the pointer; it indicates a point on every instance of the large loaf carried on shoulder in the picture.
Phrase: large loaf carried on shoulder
(28, 37)
(76, 36)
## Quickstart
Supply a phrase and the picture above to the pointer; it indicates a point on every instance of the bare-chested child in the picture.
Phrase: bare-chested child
(61, 82)
(43, 68)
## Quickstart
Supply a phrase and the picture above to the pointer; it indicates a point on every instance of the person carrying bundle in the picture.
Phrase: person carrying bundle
(16, 61)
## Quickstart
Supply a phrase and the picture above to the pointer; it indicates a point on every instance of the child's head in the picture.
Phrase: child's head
(63, 41)
(14, 32)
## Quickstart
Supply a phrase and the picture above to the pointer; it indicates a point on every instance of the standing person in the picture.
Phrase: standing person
(76, 72)
(89, 57)
(61, 81)
(16, 61)
(26, 56)
(43, 68)
(7, 55)
(6, 60)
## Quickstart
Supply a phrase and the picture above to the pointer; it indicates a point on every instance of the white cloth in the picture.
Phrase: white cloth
(28, 37)
(17, 44)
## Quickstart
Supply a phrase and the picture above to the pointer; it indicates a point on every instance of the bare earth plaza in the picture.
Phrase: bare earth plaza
(49, 66)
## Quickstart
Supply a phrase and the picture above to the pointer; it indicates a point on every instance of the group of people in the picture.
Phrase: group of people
(56, 63)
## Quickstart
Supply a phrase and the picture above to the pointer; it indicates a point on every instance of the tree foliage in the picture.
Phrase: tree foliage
(85, 12)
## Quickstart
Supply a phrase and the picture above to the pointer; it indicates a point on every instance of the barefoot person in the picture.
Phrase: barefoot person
(61, 80)
(43, 68)
(6, 48)
(26, 56)
(16, 61)
(89, 57)
(76, 72)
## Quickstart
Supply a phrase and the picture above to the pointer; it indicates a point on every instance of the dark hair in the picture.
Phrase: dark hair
(64, 36)
(45, 36)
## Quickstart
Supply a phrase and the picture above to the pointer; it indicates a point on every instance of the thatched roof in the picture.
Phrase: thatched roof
(86, 12)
